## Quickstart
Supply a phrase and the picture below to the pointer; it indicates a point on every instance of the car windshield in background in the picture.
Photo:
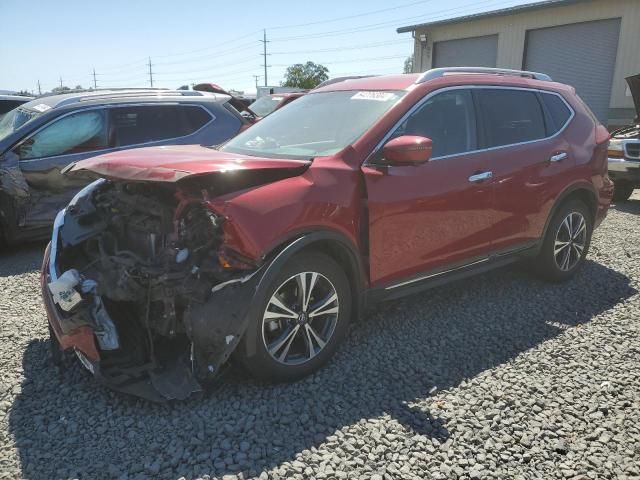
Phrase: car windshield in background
(316, 125)
(265, 105)
(13, 120)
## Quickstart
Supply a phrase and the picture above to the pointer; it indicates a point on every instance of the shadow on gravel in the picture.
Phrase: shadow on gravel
(64, 425)
(19, 259)
(630, 206)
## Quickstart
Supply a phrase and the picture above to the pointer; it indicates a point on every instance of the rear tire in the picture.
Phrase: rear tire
(566, 242)
(622, 191)
(304, 316)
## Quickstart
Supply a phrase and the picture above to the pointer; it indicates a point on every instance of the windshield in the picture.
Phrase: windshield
(315, 125)
(265, 105)
(13, 120)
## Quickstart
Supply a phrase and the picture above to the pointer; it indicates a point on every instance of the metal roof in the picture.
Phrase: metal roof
(493, 13)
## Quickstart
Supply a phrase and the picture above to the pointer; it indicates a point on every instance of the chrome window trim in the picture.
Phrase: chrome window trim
(111, 106)
(419, 104)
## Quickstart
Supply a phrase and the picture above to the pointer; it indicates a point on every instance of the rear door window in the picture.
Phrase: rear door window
(135, 125)
(80, 132)
(510, 116)
(558, 111)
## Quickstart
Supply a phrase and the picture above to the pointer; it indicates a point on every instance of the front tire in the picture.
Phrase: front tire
(622, 191)
(303, 318)
(566, 243)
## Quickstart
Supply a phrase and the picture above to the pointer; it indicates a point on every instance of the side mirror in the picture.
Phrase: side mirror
(408, 149)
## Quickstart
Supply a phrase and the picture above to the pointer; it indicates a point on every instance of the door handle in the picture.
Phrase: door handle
(558, 157)
(479, 177)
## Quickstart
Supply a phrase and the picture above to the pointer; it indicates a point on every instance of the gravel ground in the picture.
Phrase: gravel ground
(499, 376)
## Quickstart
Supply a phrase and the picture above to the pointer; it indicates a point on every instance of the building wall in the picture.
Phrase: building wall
(512, 31)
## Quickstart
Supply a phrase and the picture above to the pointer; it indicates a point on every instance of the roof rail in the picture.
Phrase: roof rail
(129, 93)
(441, 72)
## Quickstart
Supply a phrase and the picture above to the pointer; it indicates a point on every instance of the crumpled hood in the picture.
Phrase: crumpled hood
(176, 162)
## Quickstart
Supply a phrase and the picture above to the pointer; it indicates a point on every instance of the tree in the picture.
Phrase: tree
(309, 75)
(62, 89)
(408, 65)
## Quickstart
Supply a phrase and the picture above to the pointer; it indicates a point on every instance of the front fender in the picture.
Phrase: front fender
(217, 326)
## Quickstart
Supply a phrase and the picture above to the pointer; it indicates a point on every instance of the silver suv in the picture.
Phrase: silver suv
(40, 138)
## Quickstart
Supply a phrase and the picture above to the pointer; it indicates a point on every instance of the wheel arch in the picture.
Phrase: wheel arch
(583, 191)
(331, 243)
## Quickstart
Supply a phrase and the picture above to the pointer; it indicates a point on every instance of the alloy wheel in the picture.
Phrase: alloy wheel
(570, 241)
(300, 318)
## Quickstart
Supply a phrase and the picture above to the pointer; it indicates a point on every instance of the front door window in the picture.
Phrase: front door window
(76, 133)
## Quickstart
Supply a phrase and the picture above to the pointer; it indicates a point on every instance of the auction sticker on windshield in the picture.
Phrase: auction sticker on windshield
(379, 96)
(42, 107)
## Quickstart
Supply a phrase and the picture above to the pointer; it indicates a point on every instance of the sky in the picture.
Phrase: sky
(207, 41)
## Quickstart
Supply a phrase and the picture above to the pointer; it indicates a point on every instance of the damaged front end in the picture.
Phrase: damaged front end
(138, 282)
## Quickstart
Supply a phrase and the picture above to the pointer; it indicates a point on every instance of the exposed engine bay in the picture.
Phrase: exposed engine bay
(144, 266)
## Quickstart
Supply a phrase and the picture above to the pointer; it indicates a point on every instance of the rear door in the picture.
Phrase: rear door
(528, 158)
(165, 124)
(423, 218)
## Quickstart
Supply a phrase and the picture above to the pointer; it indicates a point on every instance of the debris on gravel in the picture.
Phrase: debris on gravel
(499, 376)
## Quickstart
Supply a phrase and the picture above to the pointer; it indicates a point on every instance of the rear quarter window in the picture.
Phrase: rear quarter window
(510, 116)
(558, 111)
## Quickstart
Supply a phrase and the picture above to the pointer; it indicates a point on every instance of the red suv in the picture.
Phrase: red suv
(267, 247)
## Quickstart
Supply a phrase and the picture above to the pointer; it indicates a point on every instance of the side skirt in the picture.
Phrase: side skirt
(439, 277)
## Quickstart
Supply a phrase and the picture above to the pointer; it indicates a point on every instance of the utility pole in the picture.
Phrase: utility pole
(60, 82)
(264, 54)
(39, 89)
(256, 77)
(150, 73)
(95, 82)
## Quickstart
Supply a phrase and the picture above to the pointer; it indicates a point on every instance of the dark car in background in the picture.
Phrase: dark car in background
(9, 102)
(624, 150)
(40, 138)
(270, 103)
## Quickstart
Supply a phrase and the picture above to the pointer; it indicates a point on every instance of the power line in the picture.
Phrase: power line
(250, 34)
(347, 17)
(245, 46)
(371, 59)
(341, 49)
(115, 73)
(223, 75)
(208, 68)
(380, 25)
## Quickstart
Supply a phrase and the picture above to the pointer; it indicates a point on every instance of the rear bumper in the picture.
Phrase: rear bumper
(625, 170)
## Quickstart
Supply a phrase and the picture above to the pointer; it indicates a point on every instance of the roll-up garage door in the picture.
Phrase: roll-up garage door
(580, 54)
(466, 52)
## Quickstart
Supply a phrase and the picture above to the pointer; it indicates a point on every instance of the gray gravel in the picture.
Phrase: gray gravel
(500, 376)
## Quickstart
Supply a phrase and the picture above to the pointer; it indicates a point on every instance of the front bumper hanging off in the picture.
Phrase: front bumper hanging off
(214, 328)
